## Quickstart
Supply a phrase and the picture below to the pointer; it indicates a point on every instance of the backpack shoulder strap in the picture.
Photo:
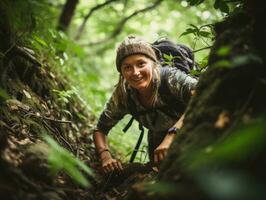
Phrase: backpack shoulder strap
(164, 90)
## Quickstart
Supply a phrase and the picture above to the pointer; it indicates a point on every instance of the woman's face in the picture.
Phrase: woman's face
(137, 70)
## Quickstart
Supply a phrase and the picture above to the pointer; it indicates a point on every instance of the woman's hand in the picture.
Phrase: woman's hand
(109, 164)
(161, 151)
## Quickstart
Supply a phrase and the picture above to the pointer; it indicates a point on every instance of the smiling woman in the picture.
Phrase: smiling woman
(137, 71)
(142, 88)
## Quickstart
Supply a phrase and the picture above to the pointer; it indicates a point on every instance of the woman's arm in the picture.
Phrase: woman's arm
(108, 163)
(183, 87)
(161, 151)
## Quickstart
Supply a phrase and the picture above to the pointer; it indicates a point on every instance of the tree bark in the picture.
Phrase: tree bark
(6, 35)
(67, 14)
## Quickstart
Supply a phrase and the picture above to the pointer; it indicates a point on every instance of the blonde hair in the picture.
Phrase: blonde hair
(121, 88)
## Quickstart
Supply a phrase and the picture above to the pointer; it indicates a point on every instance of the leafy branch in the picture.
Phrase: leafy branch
(122, 23)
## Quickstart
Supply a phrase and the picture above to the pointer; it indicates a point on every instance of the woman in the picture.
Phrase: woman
(140, 82)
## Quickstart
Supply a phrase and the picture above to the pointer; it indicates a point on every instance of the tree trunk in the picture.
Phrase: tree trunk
(6, 35)
(67, 14)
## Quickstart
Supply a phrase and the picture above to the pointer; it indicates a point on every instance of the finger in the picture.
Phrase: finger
(117, 167)
(120, 166)
(155, 158)
(165, 153)
(105, 170)
(111, 167)
(160, 156)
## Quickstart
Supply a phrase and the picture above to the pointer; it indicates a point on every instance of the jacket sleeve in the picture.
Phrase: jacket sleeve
(109, 117)
(181, 84)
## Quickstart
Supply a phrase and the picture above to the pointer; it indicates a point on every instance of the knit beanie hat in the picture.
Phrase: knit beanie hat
(133, 45)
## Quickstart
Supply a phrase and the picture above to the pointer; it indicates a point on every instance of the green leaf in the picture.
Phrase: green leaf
(204, 62)
(204, 34)
(222, 64)
(40, 40)
(223, 51)
(161, 188)
(84, 167)
(75, 174)
(189, 31)
(195, 2)
(61, 159)
(3, 94)
(195, 72)
(195, 27)
(167, 57)
(221, 5)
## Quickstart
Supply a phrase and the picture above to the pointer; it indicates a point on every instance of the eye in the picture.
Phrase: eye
(126, 67)
(141, 63)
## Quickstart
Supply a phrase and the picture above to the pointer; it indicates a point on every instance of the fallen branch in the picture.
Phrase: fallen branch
(26, 54)
(47, 118)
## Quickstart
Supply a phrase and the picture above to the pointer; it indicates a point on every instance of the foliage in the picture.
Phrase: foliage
(222, 5)
(60, 159)
(161, 188)
(237, 61)
(64, 96)
(211, 166)
(3, 94)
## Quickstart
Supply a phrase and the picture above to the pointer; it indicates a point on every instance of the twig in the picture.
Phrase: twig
(47, 118)
(107, 181)
(59, 135)
(70, 146)
(62, 188)
(7, 127)
(123, 21)
(208, 47)
(2, 55)
(92, 10)
(8, 50)
(52, 129)
(55, 120)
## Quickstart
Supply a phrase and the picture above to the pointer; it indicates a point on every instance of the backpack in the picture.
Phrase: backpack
(175, 55)
(181, 56)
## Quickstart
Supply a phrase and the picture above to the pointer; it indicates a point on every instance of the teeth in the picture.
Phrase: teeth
(138, 79)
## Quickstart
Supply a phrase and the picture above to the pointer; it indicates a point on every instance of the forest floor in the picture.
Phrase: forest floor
(31, 108)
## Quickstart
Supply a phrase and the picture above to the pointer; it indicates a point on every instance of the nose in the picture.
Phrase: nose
(135, 70)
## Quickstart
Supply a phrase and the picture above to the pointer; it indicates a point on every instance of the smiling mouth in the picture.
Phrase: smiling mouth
(137, 79)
